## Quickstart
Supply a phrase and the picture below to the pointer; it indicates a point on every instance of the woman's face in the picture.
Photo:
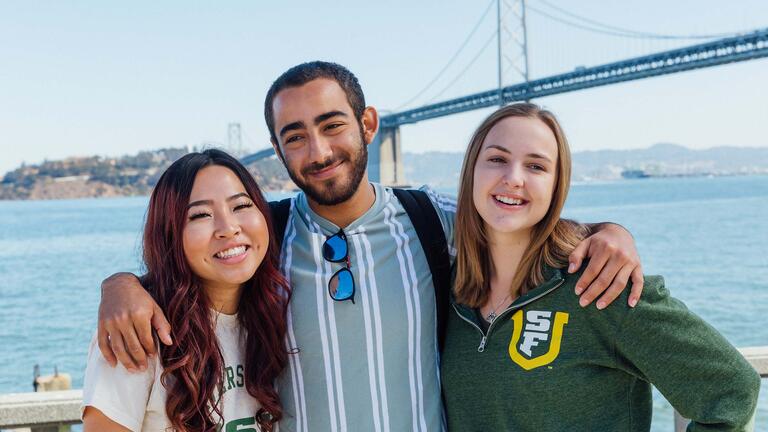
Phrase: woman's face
(225, 236)
(514, 176)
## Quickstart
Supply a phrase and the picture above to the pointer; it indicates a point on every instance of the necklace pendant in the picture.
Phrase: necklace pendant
(491, 316)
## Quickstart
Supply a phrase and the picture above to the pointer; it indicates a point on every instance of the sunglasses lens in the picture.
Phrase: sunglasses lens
(341, 286)
(335, 248)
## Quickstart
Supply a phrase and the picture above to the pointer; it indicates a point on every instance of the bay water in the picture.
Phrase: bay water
(707, 236)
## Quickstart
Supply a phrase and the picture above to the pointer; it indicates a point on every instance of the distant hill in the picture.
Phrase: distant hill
(97, 176)
(441, 169)
(671, 160)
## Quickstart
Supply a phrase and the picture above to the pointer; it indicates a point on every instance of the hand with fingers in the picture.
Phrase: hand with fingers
(613, 261)
(127, 315)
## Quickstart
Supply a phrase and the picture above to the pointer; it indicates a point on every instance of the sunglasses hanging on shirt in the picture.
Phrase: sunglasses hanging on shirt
(341, 287)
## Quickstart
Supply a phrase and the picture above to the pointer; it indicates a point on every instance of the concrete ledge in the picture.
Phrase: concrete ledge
(40, 409)
(758, 358)
(19, 410)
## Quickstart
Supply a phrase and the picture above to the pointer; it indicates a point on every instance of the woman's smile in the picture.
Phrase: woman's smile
(232, 255)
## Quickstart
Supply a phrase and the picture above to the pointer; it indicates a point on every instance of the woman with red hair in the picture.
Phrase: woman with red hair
(211, 265)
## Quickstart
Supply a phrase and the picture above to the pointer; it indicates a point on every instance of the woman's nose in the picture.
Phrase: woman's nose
(514, 176)
(227, 227)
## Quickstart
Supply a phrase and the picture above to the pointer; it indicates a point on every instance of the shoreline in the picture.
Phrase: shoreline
(288, 192)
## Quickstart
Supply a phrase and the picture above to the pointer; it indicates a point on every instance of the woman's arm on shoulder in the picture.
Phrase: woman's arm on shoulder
(700, 373)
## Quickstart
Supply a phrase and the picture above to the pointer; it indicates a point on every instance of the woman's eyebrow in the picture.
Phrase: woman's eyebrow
(530, 155)
(210, 202)
(497, 147)
(538, 156)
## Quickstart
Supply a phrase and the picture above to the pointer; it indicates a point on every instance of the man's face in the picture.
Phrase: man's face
(321, 141)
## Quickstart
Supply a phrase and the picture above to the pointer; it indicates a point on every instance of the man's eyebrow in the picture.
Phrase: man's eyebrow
(291, 126)
(210, 202)
(325, 116)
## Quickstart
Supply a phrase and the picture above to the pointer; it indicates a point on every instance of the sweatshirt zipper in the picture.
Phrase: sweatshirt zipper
(484, 335)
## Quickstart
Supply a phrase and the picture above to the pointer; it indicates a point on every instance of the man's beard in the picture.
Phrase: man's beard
(332, 192)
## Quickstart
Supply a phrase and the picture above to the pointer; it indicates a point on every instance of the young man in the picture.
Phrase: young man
(370, 363)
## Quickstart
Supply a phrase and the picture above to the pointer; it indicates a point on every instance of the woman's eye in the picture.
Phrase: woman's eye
(198, 216)
(496, 160)
(537, 167)
(243, 206)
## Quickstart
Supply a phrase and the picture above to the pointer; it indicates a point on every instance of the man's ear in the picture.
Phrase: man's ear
(279, 153)
(370, 122)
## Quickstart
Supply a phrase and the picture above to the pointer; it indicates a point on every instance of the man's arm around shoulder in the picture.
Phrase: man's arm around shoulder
(127, 315)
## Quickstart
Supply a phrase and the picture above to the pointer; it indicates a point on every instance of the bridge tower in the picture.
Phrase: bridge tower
(385, 162)
(235, 139)
(512, 40)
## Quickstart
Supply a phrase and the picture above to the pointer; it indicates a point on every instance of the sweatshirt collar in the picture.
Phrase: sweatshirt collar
(553, 278)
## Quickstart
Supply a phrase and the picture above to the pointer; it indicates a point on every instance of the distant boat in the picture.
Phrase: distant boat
(634, 174)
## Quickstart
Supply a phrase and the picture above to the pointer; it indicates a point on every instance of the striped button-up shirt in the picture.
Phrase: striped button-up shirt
(371, 365)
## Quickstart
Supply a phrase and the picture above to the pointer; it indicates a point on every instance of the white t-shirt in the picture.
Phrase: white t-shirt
(137, 400)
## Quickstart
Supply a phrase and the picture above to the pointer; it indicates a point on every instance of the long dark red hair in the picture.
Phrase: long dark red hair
(193, 365)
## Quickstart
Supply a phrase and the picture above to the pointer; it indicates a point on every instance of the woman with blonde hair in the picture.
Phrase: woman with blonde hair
(521, 354)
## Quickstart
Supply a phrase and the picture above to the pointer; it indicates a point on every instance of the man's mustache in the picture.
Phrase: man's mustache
(319, 166)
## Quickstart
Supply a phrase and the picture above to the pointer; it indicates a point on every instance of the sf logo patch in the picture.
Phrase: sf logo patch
(535, 330)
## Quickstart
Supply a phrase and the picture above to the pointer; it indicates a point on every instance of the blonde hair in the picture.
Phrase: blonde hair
(552, 238)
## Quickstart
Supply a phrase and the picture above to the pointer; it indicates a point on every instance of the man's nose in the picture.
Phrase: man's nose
(320, 149)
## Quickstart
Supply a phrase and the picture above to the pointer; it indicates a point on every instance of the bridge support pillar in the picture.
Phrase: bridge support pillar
(385, 160)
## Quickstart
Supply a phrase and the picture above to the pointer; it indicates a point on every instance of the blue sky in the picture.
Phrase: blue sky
(111, 78)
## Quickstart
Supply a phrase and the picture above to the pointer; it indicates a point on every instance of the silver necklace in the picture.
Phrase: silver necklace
(492, 316)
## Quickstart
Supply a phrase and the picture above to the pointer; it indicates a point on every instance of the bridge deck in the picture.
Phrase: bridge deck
(728, 50)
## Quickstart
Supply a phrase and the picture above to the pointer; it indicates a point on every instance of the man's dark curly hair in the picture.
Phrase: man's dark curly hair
(301, 74)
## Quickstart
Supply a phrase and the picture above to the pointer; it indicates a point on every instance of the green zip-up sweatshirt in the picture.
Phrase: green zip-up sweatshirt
(547, 364)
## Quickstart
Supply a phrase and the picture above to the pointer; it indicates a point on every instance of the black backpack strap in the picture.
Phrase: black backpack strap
(280, 211)
(427, 223)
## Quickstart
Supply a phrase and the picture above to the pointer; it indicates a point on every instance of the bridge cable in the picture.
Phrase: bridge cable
(461, 74)
(450, 62)
(614, 30)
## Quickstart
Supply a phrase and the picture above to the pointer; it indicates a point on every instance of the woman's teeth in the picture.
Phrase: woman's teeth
(229, 253)
(507, 200)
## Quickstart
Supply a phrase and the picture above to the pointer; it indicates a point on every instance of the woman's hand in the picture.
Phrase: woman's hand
(613, 259)
(127, 315)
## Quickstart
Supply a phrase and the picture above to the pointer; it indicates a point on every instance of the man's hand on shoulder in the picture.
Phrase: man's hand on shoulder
(613, 260)
(127, 315)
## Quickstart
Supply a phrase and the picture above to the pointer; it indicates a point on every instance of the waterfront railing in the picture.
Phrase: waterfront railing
(59, 408)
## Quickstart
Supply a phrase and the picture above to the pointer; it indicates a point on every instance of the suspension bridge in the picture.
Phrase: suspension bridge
(385, 153)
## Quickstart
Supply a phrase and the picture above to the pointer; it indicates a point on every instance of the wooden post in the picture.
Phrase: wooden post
(56, 382)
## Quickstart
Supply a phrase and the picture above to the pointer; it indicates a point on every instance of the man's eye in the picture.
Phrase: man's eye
(293, 139)
(333, 126)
